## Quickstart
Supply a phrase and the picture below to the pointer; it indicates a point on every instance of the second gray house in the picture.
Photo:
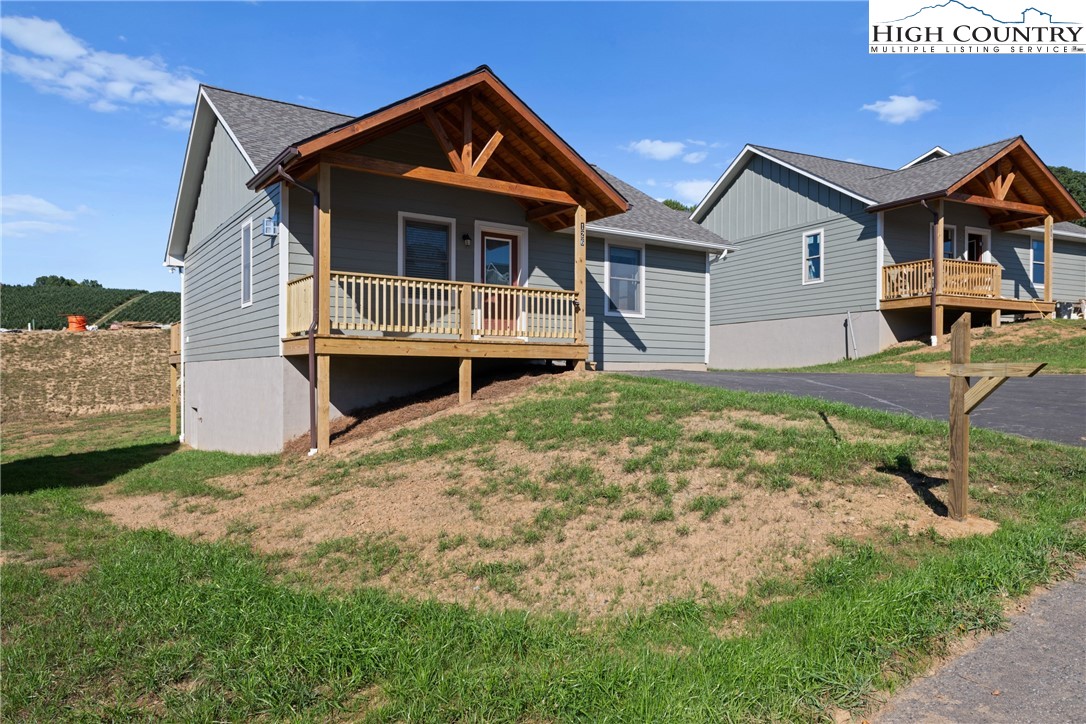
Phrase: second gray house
(838, 259)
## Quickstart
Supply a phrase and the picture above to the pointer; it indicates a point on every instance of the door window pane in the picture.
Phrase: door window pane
(426, 250)
(497, 261)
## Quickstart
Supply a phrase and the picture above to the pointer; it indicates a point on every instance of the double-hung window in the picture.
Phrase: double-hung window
(1037, 261)
(625, 281)
(247, 263)
(426, 247)
(814, 256)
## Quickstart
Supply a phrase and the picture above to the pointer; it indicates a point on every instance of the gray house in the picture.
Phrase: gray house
(839, 258)
(329, 262)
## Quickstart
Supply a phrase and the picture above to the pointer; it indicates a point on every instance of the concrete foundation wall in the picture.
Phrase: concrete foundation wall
(645, 366)
(234, 405)
(794, 342)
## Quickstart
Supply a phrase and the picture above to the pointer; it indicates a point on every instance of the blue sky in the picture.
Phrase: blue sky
(95, 102)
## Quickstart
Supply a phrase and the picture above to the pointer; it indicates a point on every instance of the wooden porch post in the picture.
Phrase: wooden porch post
(465, 380)
(937, 275)
(580, 256)
(1048, 258)
(324, 274)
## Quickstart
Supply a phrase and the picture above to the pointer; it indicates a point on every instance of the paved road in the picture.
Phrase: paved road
(1038, 667)
(1048, 407)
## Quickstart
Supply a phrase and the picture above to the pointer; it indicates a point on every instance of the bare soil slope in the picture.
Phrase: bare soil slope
(50, 375)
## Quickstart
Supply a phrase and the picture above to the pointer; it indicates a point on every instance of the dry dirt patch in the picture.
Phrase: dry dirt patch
(51, 375)
(504, 526)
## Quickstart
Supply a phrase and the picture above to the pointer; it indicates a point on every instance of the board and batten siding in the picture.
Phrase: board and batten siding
(217, 326)
(763, 279)
(767, 197)
(222, 186)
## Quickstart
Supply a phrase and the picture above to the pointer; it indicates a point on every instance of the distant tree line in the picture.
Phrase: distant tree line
(1075, 181)
(52, 280)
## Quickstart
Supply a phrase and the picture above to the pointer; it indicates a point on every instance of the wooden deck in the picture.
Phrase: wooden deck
(964, 285)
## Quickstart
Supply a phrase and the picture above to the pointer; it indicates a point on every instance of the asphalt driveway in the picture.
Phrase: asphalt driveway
(1047, 407)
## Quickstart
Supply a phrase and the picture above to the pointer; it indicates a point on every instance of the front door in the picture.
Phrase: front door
(499, 266)
(976, 246)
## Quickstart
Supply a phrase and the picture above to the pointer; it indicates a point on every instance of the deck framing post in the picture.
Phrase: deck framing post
(465, 380)
(580, 259)
(937, 234)
(324, 252)
(323, 402)
(958, 505)
(174, 399)
(1048, 258)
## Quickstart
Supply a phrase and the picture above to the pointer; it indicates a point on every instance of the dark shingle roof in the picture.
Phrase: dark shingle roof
(649, 216)
(884, 185)
(264, 127)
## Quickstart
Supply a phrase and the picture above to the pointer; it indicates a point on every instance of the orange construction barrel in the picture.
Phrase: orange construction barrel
(77, 323)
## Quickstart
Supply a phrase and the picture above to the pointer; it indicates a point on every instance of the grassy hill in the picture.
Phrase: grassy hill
(1059, 342)
(46, 307)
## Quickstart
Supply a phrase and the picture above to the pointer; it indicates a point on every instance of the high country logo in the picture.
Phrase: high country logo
(983, 26)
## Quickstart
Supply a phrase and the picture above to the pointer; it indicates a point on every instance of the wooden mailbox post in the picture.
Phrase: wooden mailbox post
(964, 399)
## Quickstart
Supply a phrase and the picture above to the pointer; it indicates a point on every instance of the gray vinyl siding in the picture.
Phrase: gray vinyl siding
(222, 187)
(907, 231)
(673, 328)
(767, 197)
(217, 327)
(1068, 268)
(763, 279)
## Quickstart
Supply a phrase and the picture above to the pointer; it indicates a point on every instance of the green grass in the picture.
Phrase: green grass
(1048, 341)
(156, 626)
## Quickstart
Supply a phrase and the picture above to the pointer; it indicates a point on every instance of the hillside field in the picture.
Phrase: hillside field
(50, 375)
(47, 307)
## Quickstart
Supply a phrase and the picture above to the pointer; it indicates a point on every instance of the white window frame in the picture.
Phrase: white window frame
(953, 228)
(404, 216)
(1040, 284)
(640, 248)
(247, 302)
(521, 232)
(986, 253)
(822, 255)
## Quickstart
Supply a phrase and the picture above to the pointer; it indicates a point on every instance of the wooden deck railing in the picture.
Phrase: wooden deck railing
(408, 306)
(959, 278)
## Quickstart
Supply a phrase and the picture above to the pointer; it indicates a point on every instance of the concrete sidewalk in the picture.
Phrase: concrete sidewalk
(1035, 672)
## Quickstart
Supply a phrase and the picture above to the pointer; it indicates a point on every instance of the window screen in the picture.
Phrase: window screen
(1037, 273)
(426, 250)
(625, 279)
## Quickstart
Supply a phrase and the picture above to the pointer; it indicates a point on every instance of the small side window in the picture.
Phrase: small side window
(247, 263)
(813, 257)
(1037, 262)
(625, 274)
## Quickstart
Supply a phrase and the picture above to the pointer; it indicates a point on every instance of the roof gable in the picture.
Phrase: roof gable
(513, 144)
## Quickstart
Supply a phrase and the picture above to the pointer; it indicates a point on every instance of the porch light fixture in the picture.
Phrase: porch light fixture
(467, 239)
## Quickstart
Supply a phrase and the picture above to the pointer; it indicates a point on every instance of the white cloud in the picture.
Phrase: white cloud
(28, 227)
(27, 205)
(696, 156)
(45, 216)
(692, 191)
(650, 182)
(53, 61)
(899, 109)
(178, 120)
(656, 150)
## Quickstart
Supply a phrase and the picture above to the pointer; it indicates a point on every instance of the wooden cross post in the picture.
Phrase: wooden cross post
(964, 399)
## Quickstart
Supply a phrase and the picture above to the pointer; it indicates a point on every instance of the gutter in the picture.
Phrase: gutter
(312, 331)
(274, 170)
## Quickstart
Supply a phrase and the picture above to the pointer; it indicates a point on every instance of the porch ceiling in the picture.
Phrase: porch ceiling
(486, 133)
